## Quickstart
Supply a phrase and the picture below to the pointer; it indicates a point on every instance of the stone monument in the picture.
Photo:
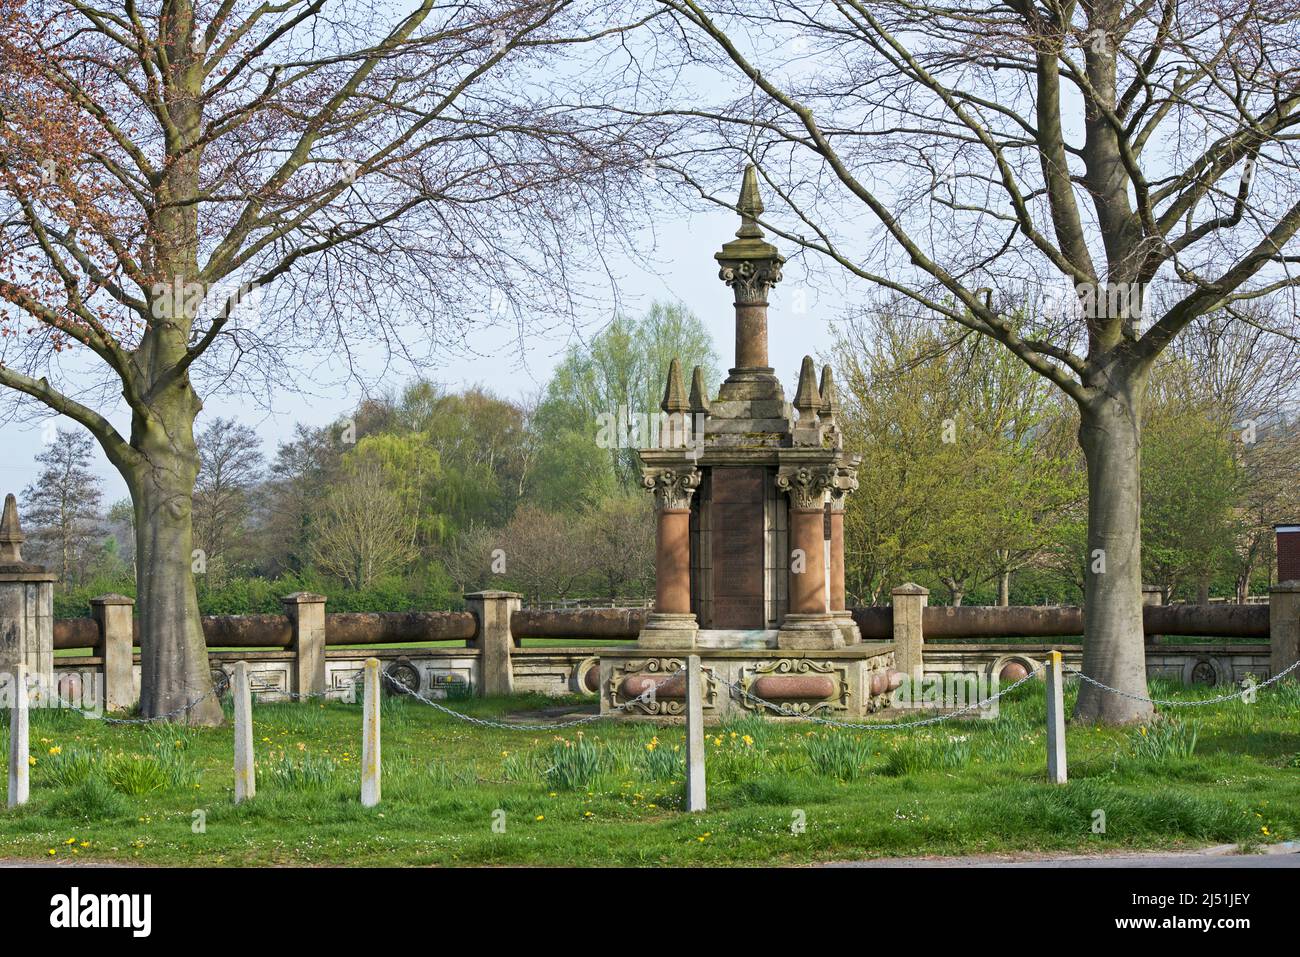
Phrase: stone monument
(750, 493)
(26, 605)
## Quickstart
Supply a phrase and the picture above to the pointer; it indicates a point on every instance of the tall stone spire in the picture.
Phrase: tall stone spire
(11, 535)
(751, 266)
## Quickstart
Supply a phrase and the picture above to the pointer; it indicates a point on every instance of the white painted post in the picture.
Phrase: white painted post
(245, 775)
(1055, 721)
(696, 799)
(19, 787)
(370, 763)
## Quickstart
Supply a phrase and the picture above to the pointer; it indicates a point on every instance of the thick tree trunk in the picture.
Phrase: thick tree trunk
(1004, 589)
(1113, 647)
(174, 656)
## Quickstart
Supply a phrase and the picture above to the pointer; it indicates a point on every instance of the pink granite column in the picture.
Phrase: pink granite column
(807, 570)
(673, 561)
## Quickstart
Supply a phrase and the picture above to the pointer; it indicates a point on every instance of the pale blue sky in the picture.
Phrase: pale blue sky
(683, 269)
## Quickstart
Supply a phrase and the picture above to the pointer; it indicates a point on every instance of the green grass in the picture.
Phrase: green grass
(612, 793)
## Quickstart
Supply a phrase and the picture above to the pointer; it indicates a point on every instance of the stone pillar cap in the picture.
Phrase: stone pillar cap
(1287, 586)
(493, 594)
(910, 588)
(11, 533)
(113, 599)
(303, 598)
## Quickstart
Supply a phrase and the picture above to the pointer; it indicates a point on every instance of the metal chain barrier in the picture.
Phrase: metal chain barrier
(781, 709)
(786, 711)
(645, 697)
(1174, 702)
(184, 709)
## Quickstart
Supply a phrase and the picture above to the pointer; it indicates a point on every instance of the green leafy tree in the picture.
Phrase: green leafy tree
(618, 378)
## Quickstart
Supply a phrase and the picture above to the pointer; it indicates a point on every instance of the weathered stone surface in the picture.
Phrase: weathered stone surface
(116, 626)
(793, 687)
(494, 610)
(1284, 627)
(245, 770)
(306, 614)
(371, 765)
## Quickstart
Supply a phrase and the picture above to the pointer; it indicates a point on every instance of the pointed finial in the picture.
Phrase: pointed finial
(750, 205)
(675, 399)
(699, 393)
(11, 535)
(830, 398)
(806, 398)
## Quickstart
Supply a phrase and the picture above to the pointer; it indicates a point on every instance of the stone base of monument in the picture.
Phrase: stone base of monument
(663, 630)
(847, 683)
(811, 632)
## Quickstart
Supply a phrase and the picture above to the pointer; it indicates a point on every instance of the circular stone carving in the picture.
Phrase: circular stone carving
(586, 677)
(402, 671)
(1204, 673)
(220, 683)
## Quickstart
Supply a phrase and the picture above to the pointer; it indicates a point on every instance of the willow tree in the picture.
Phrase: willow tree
(194, 192)
(1127, 165)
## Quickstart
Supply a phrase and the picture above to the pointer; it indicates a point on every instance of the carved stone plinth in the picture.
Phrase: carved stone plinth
(669, 630)
(845, 683)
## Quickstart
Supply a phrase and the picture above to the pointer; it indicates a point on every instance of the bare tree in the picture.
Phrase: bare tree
(230, 464)
(619, 543)
(468, 556)
(61, 508)
(192, 193)
(1129, 165)
(542, 553)
(365, 527)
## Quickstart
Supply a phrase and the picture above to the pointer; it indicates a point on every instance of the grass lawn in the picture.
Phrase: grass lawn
(612, 795)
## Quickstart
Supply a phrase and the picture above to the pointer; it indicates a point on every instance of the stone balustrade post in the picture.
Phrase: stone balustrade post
(1284, 627)
(306, 614)
(909, 636)
(114, 614)
(26, 607)
(495, 641)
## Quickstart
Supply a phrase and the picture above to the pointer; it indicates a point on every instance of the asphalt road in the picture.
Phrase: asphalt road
(1278, 855)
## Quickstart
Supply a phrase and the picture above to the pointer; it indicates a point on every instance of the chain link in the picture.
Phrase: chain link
(648, 696)
(645, 697)
(184, 709)
(1174, 702)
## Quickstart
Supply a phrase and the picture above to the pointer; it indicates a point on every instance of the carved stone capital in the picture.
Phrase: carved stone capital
(673, 488)
(806, 486)
(750, 279)
(844, 482)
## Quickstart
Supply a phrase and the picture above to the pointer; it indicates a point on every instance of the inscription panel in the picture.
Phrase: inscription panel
(737, 546)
